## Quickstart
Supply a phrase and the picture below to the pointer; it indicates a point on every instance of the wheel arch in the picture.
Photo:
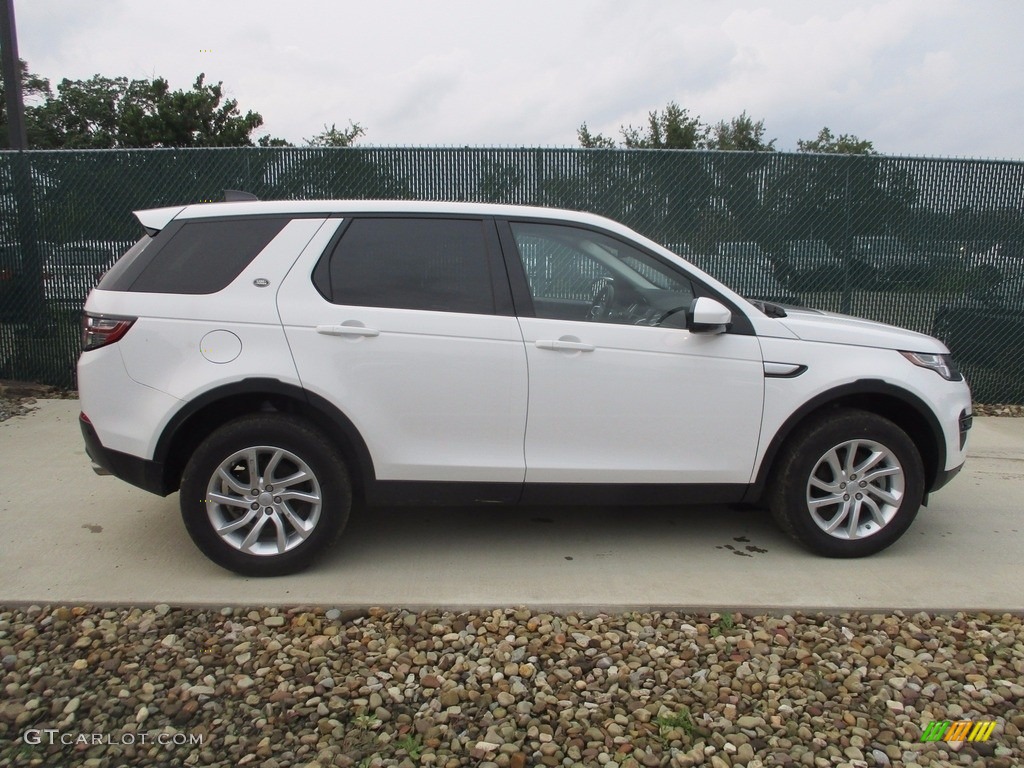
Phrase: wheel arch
(210, 410)
(903, 408)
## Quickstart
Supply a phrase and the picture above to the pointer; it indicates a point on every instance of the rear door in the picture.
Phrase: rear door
(406, 324)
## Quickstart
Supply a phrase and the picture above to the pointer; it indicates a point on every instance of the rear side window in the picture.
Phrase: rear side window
(196, 257)
(117, 277)
(427, 264)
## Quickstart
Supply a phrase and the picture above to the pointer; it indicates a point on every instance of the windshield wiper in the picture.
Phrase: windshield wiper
(772, 310)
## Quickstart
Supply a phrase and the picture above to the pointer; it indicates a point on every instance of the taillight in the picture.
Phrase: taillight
(100, 330)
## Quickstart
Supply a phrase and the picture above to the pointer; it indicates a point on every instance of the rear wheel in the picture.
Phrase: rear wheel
(848, 484)
(265, 494)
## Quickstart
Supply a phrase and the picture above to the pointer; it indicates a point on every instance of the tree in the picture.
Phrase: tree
(103, 112)
(32, 87)
(272, 141)
(590, 140)
(673, 128)
(844, 144)
(333, 137)
(740, 134)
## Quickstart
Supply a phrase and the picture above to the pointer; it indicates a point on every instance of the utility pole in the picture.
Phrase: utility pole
(17, 138)
(26, 303)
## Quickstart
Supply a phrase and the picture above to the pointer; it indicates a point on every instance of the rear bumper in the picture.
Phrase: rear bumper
(148, 475)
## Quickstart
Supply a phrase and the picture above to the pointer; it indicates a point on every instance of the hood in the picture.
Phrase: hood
(834, 328)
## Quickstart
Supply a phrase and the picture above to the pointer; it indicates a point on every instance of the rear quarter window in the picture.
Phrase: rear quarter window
(193, 257)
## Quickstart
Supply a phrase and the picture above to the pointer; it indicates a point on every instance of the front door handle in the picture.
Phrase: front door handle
(573, 345)
(347, 330)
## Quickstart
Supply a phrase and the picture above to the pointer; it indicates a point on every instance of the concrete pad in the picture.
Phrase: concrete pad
(69, 536)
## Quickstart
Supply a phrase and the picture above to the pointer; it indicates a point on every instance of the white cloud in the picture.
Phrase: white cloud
(915, 76)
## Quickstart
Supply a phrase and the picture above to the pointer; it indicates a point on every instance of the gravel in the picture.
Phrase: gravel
(166, 686)
(19, 407)
(998, 409)
(163, 686)
(18, 398)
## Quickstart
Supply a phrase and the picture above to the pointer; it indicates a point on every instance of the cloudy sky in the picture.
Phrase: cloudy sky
(916, 77)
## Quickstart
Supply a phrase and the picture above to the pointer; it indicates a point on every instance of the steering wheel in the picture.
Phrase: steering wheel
(603, 293)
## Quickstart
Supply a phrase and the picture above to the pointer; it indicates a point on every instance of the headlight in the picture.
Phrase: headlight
(941, 364)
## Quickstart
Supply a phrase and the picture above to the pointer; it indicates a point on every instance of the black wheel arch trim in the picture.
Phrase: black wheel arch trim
(340, 425)
(935, 466)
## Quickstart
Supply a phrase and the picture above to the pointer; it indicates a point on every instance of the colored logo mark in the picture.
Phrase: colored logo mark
(958, 730)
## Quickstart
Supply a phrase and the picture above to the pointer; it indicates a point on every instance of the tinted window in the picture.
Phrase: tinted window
(205, 256)
(118, 277)
(429, 264)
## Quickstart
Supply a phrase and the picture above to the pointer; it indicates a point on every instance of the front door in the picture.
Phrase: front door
(619, 392)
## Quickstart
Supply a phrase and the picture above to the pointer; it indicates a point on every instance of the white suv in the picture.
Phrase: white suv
(277, 361)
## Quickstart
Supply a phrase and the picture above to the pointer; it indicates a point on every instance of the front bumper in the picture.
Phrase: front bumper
(944, 476)
(142, 473)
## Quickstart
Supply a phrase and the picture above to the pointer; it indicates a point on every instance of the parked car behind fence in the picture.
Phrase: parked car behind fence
(986, 329)
(70, 270)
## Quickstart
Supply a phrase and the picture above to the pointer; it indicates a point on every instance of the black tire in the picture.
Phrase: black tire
(262, 542)
(802, 506)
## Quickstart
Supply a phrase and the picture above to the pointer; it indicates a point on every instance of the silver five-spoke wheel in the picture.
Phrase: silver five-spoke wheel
(847, 483)
(263, 500)
(855, 489)
(265, 494)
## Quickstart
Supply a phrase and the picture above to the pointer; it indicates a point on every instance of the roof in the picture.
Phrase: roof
(155, 219)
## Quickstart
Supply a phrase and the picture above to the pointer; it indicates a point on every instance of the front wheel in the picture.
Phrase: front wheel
(848, 484)
(265, 494)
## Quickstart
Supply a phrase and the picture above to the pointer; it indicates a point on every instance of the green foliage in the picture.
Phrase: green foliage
(673, 128)
(366, 722)
(724, 624)
(680, 720)
(362, 738)
(33, 87)
(412, 744)
(271, 141)
(333, 137)
(590, 140)
(104, 112)
(844, 144)
(740, 134)
(113, 112)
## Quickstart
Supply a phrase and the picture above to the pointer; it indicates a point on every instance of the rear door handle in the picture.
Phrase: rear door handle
(347, 330)
(576, 346)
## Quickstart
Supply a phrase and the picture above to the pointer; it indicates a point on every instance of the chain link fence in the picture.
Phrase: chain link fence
(934, 245)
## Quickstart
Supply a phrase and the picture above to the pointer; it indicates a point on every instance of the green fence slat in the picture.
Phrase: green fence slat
(936, 245)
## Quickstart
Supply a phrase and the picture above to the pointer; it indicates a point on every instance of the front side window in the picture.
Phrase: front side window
(580, 274)
(427, 264)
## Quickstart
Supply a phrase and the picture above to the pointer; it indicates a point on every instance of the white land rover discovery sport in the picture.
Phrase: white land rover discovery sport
(275, 362)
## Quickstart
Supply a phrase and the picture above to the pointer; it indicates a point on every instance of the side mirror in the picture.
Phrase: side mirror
(707, 316)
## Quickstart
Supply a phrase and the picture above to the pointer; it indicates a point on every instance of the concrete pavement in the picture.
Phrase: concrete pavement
(69, 536)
